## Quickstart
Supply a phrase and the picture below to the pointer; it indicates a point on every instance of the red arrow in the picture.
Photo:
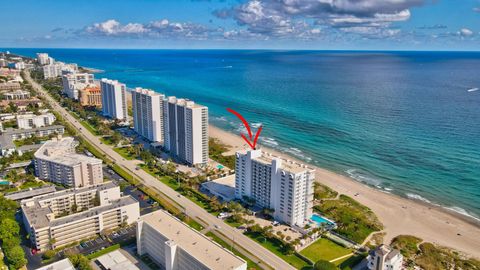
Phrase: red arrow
(247, 126)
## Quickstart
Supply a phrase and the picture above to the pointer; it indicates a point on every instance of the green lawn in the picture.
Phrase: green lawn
(324, 249)
(192, 223)
(250, 264)
(124, 153)
(103, 251)
(293, 259)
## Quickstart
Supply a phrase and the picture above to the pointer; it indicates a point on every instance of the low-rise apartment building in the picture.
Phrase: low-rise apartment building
(17, 94)
(10, 86)
(56, 161)
(274, 183)
(60, 218)
(28, 121)
(173, 245)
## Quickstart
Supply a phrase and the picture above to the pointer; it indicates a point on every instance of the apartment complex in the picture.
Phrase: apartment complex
(114, 99)
(90, 95)
(385, 258)
(173, 245)
(56, 161)
(44, 59)
(73, 82)
(10, 86)
(52, 70)
(275, 183)
(186, 130)
(28, 121)
(60, 218)
(16, 95)
(148, 114)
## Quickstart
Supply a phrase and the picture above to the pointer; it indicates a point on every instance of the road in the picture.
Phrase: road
(191, 208)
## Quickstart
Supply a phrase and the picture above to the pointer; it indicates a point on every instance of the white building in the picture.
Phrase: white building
(64, 264)
(385, 258)
(52, 70)
(275, 183)
(56, 161)
(74, 82)
(44, 59)
(173, 245)
(114, 99)
(63, 217)
(148, 114)
(17, 94)
(27, 121)
(186, 130)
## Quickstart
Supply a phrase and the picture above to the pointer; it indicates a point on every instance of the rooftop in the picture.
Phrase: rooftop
(212, 255)
(115, 260)
(38, 217)
(21, 131)
(63, 151)
(28, 193)
(287, 165)
(64, 264)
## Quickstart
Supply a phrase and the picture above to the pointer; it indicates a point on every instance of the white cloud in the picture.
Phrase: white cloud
(465, 32)
(155, 29)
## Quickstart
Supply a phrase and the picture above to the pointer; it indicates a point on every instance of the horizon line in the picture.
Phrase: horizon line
(236, 49)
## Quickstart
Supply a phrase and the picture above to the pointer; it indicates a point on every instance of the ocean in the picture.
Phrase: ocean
(402, 122)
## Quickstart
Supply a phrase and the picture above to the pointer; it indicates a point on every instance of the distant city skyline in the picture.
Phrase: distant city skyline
(244, 24)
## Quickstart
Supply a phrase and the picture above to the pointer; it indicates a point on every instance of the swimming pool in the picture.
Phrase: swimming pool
(220, 167)
(320, 220)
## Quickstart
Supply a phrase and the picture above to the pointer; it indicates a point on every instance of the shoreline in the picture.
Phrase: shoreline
(399, 215)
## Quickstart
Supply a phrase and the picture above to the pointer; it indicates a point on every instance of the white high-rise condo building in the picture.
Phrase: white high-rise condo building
(60, 218)
(44, 59)
(56, 161)
(52, 70)
(385, 258)
(148, 114)
(175, 246)
(114, 99)
(186, 130)
(282, 185)
(73, 82)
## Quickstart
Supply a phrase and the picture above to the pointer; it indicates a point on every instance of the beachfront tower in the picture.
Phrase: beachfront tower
(282, 185)
(148, 114)
(385, 258)
(186, 130)
(114, 99)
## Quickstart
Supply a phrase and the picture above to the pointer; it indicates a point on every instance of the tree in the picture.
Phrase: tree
(324, 265)
(15, 257)
(8, 208)
(9, 229)
(48, 254)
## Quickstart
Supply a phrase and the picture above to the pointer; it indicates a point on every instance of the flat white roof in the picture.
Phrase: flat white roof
(64, 264)
(115, 260)
(191, 241)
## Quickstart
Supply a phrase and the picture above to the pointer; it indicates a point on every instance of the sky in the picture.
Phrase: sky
(243, 24)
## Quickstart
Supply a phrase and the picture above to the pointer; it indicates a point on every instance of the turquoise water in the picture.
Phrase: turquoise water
(319, 219)
(402, 122)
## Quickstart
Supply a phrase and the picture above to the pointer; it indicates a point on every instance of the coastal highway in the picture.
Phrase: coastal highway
(191, 208)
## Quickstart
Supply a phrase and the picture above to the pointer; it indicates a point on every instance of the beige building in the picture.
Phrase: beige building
(91, 95)
(10, 86)
(60, 218)
(56, 161)
(173, 245)
(275, 183)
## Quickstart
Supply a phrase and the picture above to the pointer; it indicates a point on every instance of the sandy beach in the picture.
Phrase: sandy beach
(398, 215)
